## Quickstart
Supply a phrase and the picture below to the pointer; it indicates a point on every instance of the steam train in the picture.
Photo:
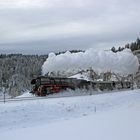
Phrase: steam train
(42, 86)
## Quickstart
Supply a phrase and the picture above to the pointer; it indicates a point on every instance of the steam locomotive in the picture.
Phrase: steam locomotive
(45, 85)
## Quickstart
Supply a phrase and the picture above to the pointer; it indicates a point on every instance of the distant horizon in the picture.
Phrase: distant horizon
(45, 51)
(29, 48)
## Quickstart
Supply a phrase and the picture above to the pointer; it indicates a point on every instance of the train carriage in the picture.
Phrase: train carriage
(44, 85)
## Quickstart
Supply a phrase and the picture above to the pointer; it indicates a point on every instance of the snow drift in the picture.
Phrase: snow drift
(123, 62)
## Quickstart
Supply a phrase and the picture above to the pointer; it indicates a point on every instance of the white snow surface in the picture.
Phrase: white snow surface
(123, 62)
(25, 94)
(110, 116)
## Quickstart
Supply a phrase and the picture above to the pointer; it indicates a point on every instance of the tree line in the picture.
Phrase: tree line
(17, 70)
(133, 46)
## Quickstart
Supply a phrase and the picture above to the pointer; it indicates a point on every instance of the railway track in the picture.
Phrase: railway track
(38, 98)
(56, 96)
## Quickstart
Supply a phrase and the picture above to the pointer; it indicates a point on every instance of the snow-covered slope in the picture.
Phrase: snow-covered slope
(123, 62)
(105, 116)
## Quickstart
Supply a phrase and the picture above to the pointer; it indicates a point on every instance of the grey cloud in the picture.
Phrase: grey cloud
(62, 25)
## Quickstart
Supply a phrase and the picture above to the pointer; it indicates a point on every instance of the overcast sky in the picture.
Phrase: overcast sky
(42, 26)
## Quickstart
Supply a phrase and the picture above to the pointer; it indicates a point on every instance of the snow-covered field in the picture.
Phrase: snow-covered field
(113, 116)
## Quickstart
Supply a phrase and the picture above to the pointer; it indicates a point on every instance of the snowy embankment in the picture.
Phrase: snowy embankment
(113, 116)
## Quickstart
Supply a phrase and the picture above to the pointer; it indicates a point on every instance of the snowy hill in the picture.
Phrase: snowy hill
(110, 116)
